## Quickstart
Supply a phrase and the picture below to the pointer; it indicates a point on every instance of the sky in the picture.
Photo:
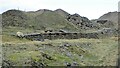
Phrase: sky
(91, 9)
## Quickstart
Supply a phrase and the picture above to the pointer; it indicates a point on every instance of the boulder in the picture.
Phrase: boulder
(20, 34)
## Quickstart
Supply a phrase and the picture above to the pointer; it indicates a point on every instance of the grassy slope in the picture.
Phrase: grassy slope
(94, 51)
(35, 21)
(62, 13)
(49, 20)
(112, 16)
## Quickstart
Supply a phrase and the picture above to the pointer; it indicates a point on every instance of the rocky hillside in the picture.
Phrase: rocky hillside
(41, 19)
(79, 21)
(14, 18)
(76, 19)
(45, 19)
(111, 16)
(108, 20)
(86, 51)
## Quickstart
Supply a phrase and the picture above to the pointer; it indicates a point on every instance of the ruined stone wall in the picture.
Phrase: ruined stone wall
(52, 36)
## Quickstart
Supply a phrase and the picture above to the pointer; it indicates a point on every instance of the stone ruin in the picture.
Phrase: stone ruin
(52, 36)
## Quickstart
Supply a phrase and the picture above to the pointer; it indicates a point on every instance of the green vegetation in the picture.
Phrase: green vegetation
(58, 52)
(37, 21)
(85, 52)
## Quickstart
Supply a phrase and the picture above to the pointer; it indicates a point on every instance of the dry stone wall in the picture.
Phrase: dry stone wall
(51, 36)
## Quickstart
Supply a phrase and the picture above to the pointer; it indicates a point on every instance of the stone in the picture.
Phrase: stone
(67, 45)
(69, 54)
(75, 64)
(67, 64)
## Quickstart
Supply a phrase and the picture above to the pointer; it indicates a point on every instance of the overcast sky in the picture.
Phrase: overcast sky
(89, 8)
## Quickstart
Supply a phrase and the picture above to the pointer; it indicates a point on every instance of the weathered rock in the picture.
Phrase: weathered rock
(67, 64)
(75, 64)
(46, 56)
(69, 54)
(81, 22)
(107, 31)
(67, 45)
(20, 34)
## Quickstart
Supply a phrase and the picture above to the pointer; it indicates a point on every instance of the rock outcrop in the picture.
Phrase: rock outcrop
(81, 22)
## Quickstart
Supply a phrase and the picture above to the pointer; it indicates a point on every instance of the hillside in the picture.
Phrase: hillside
(17, 50)
(14, 18)
(62, 13)
(50, 20)
(38, 20)
(81, 22)
(45, 19)
(112, 18)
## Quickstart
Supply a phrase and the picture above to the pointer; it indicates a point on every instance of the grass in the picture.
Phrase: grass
(36, 20)
(94, 51)
(12, 39)
(22, 52)
(98, 50)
